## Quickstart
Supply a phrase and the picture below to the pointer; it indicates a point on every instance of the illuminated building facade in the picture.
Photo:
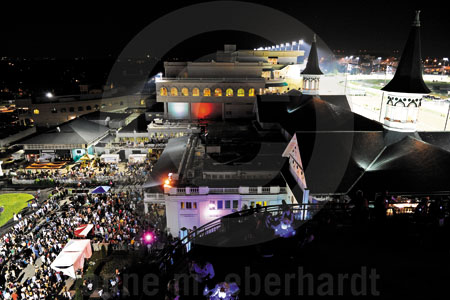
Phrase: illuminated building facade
(226, 88)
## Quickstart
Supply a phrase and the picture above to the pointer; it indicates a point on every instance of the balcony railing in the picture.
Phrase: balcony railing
(204, 190)
(232, 223)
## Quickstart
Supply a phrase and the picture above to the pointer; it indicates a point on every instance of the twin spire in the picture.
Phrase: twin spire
(312, 67)
(408, 77)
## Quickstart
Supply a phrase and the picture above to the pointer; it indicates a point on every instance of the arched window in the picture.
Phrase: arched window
(229, 92)
(206, 92)
(163, 91)
(241, 93)
(195, 92)
(218, 92)
(36, 111)
(173, 92)
(185, 91)
(71, 109)
(251, 92)
(88, 107)
(80, 108)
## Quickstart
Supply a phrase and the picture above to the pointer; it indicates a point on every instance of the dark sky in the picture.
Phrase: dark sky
(97, 30)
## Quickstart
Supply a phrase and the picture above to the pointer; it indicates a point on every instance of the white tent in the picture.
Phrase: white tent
(110, 158)
(137, 157)
(72, 257)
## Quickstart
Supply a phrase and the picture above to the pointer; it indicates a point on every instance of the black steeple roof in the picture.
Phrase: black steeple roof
(408, 77)
(312, 67)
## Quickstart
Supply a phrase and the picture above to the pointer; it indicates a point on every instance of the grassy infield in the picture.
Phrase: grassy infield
(12, 203)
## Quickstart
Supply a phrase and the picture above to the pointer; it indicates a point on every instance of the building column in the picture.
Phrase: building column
(1, 171)
(223, 111)
(166, 112)
(190, 110)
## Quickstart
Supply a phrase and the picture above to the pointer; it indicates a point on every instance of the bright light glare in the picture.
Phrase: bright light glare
(49, 95)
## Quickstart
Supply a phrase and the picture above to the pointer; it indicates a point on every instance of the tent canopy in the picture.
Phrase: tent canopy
(87, 157)
(101, 189)
(72, 257)
(83, 230)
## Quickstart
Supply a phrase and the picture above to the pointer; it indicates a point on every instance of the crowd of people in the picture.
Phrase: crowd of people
(94, 172)
(33, 241)
(38, 236)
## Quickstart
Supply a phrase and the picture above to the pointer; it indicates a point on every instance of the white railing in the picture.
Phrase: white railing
(203, 190)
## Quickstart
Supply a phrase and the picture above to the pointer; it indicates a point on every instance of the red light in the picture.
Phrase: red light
(202, 110)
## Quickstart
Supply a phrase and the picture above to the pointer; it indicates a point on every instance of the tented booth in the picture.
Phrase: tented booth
(101, 189)
(110, 158)
(83, 230)
(137, 158)
(71, 258)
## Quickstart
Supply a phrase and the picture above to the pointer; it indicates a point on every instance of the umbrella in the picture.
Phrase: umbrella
(101, 189)
(87, 157)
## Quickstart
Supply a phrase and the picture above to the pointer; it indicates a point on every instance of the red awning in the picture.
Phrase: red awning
(83, 230)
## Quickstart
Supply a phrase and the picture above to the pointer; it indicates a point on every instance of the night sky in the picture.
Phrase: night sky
(84, 29)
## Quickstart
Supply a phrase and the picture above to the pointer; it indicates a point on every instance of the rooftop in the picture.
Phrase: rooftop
(78, 131)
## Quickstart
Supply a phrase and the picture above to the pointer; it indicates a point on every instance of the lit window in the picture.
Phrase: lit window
(229, 92)
(206, 92)
(36, 111)
(173, 92)
(218, 92)
(195, 92)
(185, 91)
(182, 205)
(212, 205)
(251, 92)
(195, 205)
(142, 102)
(241, 93)
(163, 91)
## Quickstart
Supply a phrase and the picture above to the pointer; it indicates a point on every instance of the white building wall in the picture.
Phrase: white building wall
(178, 218)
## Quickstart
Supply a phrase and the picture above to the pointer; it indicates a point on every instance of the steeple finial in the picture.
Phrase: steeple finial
(314, 38)
(417, 19)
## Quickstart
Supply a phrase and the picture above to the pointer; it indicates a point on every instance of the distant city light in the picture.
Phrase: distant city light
(49, 95)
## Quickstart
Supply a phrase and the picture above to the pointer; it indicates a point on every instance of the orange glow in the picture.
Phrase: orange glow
(202, 110)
